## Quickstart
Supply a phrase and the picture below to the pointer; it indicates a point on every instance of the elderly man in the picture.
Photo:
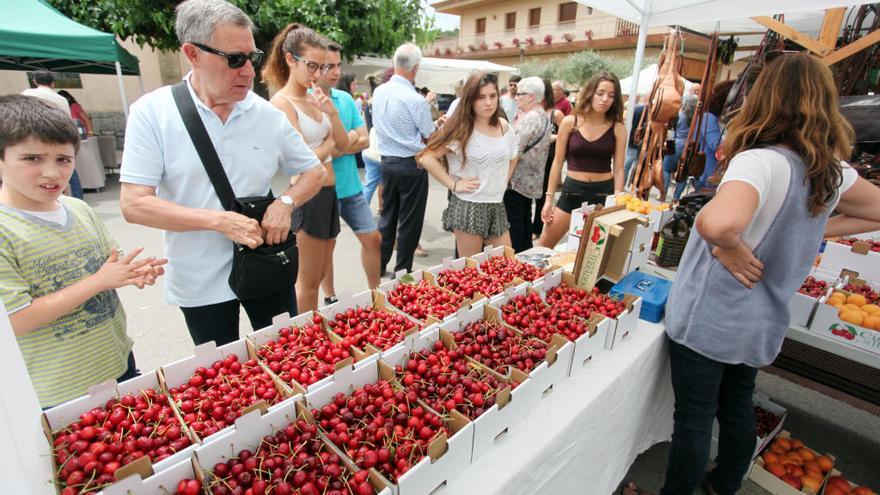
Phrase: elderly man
(165, 184)
(559, 100)
(533, 132)
(402, 118)
(353, 206)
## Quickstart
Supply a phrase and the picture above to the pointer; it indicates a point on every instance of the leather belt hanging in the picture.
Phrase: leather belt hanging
(693, 161)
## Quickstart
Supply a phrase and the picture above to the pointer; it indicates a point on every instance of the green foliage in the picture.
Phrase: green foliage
(361, 26)
(576, 68)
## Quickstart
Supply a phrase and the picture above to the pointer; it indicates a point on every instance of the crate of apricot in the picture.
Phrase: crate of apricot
(850, 316)
(109, 429)
(788, 467)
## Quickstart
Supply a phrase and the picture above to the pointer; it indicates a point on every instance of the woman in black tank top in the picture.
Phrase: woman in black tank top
(592, 140)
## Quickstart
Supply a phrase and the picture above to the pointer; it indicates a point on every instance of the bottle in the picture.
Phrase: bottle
(673, 239)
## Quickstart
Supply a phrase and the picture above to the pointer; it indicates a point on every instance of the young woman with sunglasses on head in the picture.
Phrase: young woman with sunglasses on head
(295, 62)
(480, 148)
(592, 141)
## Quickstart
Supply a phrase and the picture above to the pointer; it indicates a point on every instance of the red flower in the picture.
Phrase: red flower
(596, 234)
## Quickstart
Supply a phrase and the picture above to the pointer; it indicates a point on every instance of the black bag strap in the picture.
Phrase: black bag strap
(532, 145)
(202, 142)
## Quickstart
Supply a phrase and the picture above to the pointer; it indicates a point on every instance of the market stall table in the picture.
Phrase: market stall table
(588, 430)
(89, 164)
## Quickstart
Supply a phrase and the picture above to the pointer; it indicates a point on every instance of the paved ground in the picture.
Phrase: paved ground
(160, 337)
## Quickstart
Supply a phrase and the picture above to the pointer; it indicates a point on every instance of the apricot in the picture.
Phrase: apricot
(836, 298)
(852, 307)
(854, 317)
(783, 443)
(796, 443)
(811, 482)
(775, 469)
(863, 490)
(871, 309)
(793, 481)
(793, 458)
(872, 322)
(770, 458)
(794, 470)
(857, 299)
(825, 463)
(839, 482)
(806, 454)
(833, 490)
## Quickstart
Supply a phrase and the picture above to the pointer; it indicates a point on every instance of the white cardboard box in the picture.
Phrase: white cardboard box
(658, 218)
(801, 306)
(428, 474)
(827, 323)
(857, 258)
(161, 483)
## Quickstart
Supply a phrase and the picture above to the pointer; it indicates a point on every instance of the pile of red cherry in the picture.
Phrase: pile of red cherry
(583, 303)
(813, 288)
(498, 347)
(529, 314)
(379, 427)
(361, 326)
(507, 269)
(303, 354)
(765, 421)
(849, 241)
(864, 289)
(90, 450)
(214, 397)
(444, 380)
(424, 299)
(293, 460)
(469, 281)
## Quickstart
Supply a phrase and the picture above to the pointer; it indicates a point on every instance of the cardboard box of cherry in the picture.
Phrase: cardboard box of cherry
(803, 304)
(851, 253)
(418, 295)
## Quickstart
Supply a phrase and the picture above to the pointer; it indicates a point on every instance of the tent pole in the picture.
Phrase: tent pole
(141, 84)
(122, 90)
(637, 65)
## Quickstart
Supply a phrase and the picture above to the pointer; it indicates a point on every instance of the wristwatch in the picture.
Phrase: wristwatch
(287, 200)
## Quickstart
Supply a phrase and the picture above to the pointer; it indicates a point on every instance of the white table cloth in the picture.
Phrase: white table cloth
(89, 165)
(583, 436)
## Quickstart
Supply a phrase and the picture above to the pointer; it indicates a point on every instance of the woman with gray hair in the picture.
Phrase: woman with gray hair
(533, 134)
(682, 128)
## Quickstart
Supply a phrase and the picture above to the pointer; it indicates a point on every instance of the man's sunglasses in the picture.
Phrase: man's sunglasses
(235, 60)
(313, 66)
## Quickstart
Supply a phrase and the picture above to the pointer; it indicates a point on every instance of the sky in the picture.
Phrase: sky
(443, 21)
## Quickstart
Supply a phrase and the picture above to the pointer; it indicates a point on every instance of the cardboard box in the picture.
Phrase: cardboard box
(658, 218)
(264, 336)
(802, 306)
(248, 434)
(375, 300)
(606, 252)
(827, 323)
(858, 258)
(774, 485)
(452, 264)
(61, 416)
(149, 483)
(762, 400)
(414, 278)
(447, 456)
(503, 252)
(175, 374)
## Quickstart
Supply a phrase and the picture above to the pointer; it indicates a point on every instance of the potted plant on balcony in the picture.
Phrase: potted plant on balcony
(472, 48)
(515, 42)
(548, 39)
(448, 51)
(589, 34)
(567, 37)
(499, 45)
(483, 46)
(530, 41)
(437, 51)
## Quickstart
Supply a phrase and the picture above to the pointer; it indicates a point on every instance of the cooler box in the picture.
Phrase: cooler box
(653, 290)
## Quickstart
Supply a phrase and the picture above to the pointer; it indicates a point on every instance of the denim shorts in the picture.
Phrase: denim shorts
(356, 213)
(576, 192)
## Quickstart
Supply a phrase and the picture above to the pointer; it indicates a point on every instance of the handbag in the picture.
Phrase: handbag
(258, 272)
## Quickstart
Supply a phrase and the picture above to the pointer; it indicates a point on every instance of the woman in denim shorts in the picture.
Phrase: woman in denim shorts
(480, 148)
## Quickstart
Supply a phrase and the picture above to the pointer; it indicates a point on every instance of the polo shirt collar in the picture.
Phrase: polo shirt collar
(240, 106)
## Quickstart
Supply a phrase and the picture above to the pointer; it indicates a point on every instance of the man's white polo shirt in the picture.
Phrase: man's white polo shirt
(256, 141)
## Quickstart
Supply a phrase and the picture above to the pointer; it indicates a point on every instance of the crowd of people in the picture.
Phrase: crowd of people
(501, 158)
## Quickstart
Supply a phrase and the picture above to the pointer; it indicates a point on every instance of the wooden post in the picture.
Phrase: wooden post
(852, 48)
(831, 26)
(793, 34)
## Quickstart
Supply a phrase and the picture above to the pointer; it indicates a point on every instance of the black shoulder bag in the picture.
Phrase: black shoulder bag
(258, 272)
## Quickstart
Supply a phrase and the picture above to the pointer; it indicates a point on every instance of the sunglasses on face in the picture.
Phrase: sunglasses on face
(234, 60)
(313, 66)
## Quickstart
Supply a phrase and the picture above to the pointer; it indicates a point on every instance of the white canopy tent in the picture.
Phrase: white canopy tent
(438, 74)
(646, 80)
(707, 15)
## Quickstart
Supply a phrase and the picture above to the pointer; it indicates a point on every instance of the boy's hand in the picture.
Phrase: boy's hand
(150, 273)
(116, 272)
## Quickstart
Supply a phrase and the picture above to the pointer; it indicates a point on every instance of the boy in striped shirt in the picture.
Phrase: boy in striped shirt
(59, 267)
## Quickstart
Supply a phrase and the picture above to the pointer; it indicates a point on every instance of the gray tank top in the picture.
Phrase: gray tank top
(710, 312)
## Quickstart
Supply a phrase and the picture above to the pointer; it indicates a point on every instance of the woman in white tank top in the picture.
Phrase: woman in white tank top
(296, 61)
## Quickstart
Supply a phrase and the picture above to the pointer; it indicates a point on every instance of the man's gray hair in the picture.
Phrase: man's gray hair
(533, 86)
(197, 19)
(407, 57)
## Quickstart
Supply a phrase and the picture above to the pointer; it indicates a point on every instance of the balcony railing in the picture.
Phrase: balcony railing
(565, 26)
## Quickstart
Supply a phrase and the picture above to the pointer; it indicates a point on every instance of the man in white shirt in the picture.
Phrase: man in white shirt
(45, 90)
(165, 185)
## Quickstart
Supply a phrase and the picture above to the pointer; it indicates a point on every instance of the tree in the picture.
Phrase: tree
(576, 68)
(361, 26)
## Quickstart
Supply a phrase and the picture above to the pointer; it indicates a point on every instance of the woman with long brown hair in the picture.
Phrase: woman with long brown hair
(592, 142)
(295, 62)
(750, 249)
(480, 148)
